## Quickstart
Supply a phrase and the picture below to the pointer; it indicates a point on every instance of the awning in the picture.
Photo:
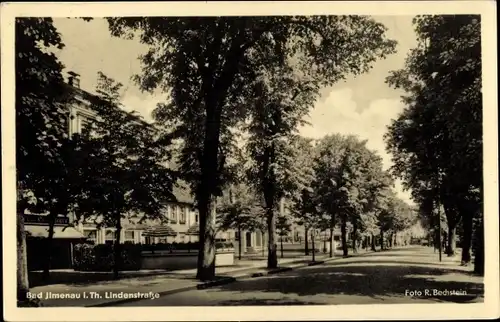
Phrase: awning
(159, 231)
(59, 232)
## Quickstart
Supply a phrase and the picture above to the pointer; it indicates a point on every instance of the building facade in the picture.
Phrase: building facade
(180, 215)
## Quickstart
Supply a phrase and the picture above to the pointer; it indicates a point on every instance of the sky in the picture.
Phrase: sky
(362, 105)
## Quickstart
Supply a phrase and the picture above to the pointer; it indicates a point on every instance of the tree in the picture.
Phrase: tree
(122, 167)
(280, 103)
(303, 207)
(208, 65)
(239, 210)
(56, 195)
(348, 178)
(41, 120)
(283, 227)
(437, 141)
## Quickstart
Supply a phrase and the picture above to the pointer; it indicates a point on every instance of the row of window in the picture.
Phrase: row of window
(178, 213)
(129, 236)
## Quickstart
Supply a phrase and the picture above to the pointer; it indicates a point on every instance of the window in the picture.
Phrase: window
(91, 235)
(173, 218)
(182, 219)
(169, 212)
(129, 236)
(110, 236)
(85, 125)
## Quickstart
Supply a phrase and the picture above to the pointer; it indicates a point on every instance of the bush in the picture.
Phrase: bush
(101, 257)
(224, 245)
(30, 303)
(83, 257)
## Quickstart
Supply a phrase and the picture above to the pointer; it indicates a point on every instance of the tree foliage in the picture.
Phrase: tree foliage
(210, 64)
(239, 208)
(436, 142)
(41, 125)
(121, 169)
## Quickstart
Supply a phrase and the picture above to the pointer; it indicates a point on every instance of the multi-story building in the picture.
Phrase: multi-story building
(182, 217)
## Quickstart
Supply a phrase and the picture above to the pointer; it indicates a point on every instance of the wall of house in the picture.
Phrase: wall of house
(180, 217)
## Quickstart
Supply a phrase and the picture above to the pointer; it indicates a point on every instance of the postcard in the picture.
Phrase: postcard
(249, 161)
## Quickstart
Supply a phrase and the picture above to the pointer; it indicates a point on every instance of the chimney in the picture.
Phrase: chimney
(74, 79)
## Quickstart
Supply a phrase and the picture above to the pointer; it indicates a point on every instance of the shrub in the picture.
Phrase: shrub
(224, 245)
(83, 257)
(30, 303)
(101, 257)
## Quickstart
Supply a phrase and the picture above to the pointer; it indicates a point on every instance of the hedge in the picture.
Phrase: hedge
(87, 257)
(183, 246)
(100, 258)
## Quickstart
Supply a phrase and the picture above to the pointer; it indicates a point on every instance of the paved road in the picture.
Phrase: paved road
(395, 276)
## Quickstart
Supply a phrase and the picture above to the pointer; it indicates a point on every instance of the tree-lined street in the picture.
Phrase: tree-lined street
(394, 276)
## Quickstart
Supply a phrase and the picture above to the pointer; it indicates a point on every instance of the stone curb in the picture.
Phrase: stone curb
(271, 272)
(222, 281)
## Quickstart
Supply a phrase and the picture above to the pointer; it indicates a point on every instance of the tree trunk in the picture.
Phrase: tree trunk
(206, 253)
(263, 248)
(22, 259)
(272, 256)
(239, 243)
(381, 240)
(354, 237)
(479, 247)
(391, 238)
(215, 93)
(331, 242)
(306, 239)
(452, 240)
(313, 246)
(452, 219)
(343, 231)
(281, 241)
(372, 242)
(117, 251)
(466, 242)
(48, 247)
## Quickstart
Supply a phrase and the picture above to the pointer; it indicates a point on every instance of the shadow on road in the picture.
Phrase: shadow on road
(375, 280)
(257, 301)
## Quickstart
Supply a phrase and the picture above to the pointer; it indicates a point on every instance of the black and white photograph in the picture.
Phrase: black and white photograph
(175, 159)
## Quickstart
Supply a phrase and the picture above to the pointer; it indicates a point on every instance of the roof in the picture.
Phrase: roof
(59, 232)
(194, 230)
(159, 231)
(90, 97)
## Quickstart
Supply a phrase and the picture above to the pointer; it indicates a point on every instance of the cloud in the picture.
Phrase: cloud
(142, 105)
(338, 112)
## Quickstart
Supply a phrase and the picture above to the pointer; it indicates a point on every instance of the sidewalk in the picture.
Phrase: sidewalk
(106, 293)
